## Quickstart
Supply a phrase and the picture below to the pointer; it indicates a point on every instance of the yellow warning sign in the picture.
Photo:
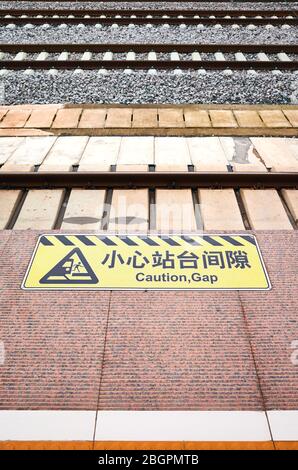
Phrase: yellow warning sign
(147, 262)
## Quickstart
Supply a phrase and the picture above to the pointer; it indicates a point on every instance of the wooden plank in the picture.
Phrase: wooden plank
(196, 118)
(278, 154)
(220, 210)
(292, 116)
(129, 211)
(93, 118)
(207, 154)
(170, 117)
(175, 210)
(67, 118)
(100, 153)
(136, 150)
(145, 117)
(247, 118)
(84, 210)
(7, 146)
(65, 153)
(222, 118)
(265, 210)
(171, 154)
(8, 202)
(40, 209)
(158, 132)
(41, 118)
(24, 132)
(241, 154)
(3, 111)
(274, 118)
(131, 168)
(31, 152)
(291, 198)
(85, 207)
(130, 208)
(119, 117)
(15, 118)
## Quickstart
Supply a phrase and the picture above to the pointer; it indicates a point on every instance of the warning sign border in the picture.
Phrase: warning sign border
(139, 234)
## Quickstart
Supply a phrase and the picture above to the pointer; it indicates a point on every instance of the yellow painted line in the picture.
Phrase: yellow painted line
(146, 445)
(46, 445)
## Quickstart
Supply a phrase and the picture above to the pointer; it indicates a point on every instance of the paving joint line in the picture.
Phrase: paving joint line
(101, 370)
(262, 396)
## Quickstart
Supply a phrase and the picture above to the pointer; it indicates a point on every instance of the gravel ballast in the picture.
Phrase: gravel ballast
(140, 87)
(142, 34)
(155, 5)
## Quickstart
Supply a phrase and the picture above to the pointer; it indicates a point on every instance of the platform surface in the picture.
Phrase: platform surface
(207, 355)
(164, 120)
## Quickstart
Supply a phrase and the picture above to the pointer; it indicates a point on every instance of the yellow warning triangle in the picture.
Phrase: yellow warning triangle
(72, 269)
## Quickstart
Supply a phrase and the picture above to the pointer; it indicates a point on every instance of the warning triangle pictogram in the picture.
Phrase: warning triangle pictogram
(72, 269)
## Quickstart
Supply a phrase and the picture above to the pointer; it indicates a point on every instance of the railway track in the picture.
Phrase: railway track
(211, 183)
(157, 1)
(144, 197)
(65, 200)
(147, 179)
(181, 17)
(148, 56)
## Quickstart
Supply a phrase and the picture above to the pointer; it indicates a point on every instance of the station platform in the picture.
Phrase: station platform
(165, 369)
(149, 369)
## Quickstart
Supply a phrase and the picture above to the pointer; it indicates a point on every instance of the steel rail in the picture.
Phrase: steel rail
(160, 1)
(18, 21)
(51, 180)
(142, 12)
(148, 47)
(147, 64)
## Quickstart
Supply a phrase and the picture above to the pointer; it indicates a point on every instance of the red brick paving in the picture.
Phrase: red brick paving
(53, 343)
(4, 237)
(164, 350)
(178, 351)
(273, 321)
